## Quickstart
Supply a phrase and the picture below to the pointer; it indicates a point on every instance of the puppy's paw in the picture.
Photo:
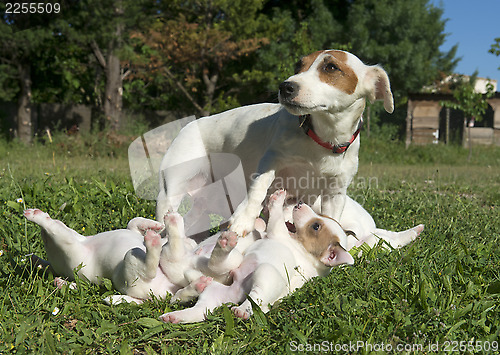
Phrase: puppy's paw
(172, 218)
(60, 283)
(170, 318)
(242, 312)
(150, 225)
(120, 299)
(277, 199)
(227, 240)
(152, 239)
(242, 226)
(202, 283)
(35, 215)
(418, 229)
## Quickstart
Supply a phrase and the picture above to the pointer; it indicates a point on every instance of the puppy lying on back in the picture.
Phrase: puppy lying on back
(130, 257)
(137, 261)
(272, 267)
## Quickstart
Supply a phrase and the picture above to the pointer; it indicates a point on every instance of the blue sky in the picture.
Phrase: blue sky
(473, 25)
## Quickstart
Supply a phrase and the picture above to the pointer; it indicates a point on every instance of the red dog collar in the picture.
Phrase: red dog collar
(306, 124)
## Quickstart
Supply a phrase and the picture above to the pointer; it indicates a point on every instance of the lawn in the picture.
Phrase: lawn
(439, 294)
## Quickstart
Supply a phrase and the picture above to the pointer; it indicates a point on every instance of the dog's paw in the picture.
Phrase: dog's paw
(35, 215)
(418, 229)
(202, 283)
(227, 240)
(152, 239)
(120, 299)
(150, 225)
(242, 226)
(60, 283)
(277, 199)
(172, 218)
(170, 318)
(242, 312)
(174, 224)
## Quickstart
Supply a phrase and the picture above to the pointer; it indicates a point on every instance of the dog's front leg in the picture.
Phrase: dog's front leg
(333, 205)
(243, 219)
(175, 259)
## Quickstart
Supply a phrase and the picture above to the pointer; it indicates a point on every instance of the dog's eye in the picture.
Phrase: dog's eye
(330, 67)
(316, 226)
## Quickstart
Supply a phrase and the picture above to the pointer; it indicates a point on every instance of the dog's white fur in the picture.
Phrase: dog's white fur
(331, 87)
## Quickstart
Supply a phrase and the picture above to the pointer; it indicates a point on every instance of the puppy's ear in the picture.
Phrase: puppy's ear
(336, 255)
(379, 87)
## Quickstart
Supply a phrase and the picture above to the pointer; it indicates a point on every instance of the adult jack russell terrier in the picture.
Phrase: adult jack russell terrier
(312, 134)
(287, 257)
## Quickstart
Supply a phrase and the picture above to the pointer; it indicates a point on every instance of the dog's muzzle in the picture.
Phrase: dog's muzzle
(288, 90)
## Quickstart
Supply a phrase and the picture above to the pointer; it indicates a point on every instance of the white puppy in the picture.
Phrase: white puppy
(131, 258)
(309, 142)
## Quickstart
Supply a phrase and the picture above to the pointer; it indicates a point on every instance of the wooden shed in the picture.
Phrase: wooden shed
(428, 122)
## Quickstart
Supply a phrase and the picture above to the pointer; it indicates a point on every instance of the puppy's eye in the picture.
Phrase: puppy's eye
(316, 226)
(330, 67)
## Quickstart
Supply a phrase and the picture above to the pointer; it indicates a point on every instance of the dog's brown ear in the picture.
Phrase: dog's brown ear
(379, 87)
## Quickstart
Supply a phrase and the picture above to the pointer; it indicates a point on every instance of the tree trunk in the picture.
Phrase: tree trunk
(114, 91)
(24, 124)
(210, 84)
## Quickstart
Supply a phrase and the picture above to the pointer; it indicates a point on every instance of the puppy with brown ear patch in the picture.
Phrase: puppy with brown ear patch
(320, 235)
(274, 266)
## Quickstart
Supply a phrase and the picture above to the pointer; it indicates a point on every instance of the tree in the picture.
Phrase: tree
(104, 27)
(296, 28)
(495, 48)
(23, 38)
(405, 36)
(194, 44)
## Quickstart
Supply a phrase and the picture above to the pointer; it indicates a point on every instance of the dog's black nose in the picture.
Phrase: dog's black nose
(288, 90)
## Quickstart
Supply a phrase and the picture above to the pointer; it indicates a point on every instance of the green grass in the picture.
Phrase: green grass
(444, 287)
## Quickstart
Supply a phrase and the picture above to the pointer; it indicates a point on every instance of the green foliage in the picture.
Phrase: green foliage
(442, 287)
(473, 104)
(404, 36)
(495, 48)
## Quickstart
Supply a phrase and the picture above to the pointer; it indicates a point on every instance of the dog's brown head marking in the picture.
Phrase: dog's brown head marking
(305, 62)
(332, 69)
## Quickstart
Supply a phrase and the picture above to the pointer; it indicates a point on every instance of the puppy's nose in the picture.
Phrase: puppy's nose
(288, 90)
(299, 205)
